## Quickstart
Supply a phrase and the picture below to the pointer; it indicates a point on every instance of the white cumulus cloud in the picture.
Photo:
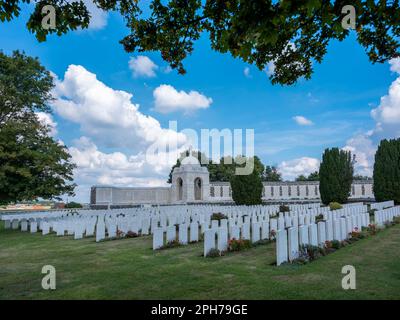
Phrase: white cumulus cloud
(246, 72)
(95, 167)
(106, 115)
(302, 121)
(387, 125)
(302, 166)
(270, 68)
(395, 65)
(363, 148)
(142, 66)
(167, 99)
(47, 120)
(108, 118)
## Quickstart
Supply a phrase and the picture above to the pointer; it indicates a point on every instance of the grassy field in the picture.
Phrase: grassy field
(129, 269)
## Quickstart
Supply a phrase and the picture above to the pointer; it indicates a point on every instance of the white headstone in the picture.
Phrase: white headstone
(209, 241)
(224, 223)
(364, 219)
(303, 235)
(112, 230)
(273, 225)
(222, 235)
(349, 224)
(194, 232)
(24, 225)
(246, 231)
(354, 222)
(158, 238)
(15, 224)
(214, 224)
(281, 247)
(295, 221)
(255, 232)
(313, 234)
(359, 222)
(288, 222)
(100, 231)
(264, 230)
(281, 223)
(78, 233)
(329, 230)
(171, 233)
(7, 224)
(33, 226)
(321, 233)
(235, 232)
(183, 234)
(336, 230)
(343, 229)
(293, 241)
(90, 229)
(45, 228)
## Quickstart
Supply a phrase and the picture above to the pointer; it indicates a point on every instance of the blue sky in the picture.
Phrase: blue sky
(335, 104)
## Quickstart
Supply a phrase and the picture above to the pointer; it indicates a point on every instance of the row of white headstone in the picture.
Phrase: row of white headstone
(85, 223)
(289, 240)
(382, 205)
(261, 230)
(187, 233)
(218, 238)
(386, 215)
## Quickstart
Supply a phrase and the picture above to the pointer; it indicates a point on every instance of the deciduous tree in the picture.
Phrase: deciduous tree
(32, 164)
(293, 35)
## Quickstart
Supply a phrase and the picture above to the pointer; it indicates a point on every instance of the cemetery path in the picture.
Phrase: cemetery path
(129, 269)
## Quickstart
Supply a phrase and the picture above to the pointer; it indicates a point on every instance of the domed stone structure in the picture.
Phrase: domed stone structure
(190, 161)
(190, 182)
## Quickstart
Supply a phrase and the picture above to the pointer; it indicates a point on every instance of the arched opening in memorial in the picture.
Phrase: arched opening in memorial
(198, 189)
(179, 183)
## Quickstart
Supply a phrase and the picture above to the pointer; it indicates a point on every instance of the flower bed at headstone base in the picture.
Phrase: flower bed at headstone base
(309, 253)
(171, 244)
(218, 216)
(236, 245)
(119, 235)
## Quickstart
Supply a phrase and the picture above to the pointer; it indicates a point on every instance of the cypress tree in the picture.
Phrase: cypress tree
(247, 189)
(387, 171)
(336, 175)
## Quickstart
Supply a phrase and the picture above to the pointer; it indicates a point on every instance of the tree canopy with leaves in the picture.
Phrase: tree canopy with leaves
(32, 164)
(314, 176)
(271, 174)
(247, 189)
(293, 35)
(336, 175)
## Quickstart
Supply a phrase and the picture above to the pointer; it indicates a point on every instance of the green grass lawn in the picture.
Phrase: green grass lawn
(129, 269)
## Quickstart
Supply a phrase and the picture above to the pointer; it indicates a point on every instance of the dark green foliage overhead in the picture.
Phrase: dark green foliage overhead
(272, 174)
(361, 177)
(73, 205)
(387, 171)
(247, 189)
(32, 164)
(294, 35)
(314, 176)
(336, 175)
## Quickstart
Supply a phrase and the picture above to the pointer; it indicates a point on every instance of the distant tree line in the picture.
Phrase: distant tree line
(335, 175)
